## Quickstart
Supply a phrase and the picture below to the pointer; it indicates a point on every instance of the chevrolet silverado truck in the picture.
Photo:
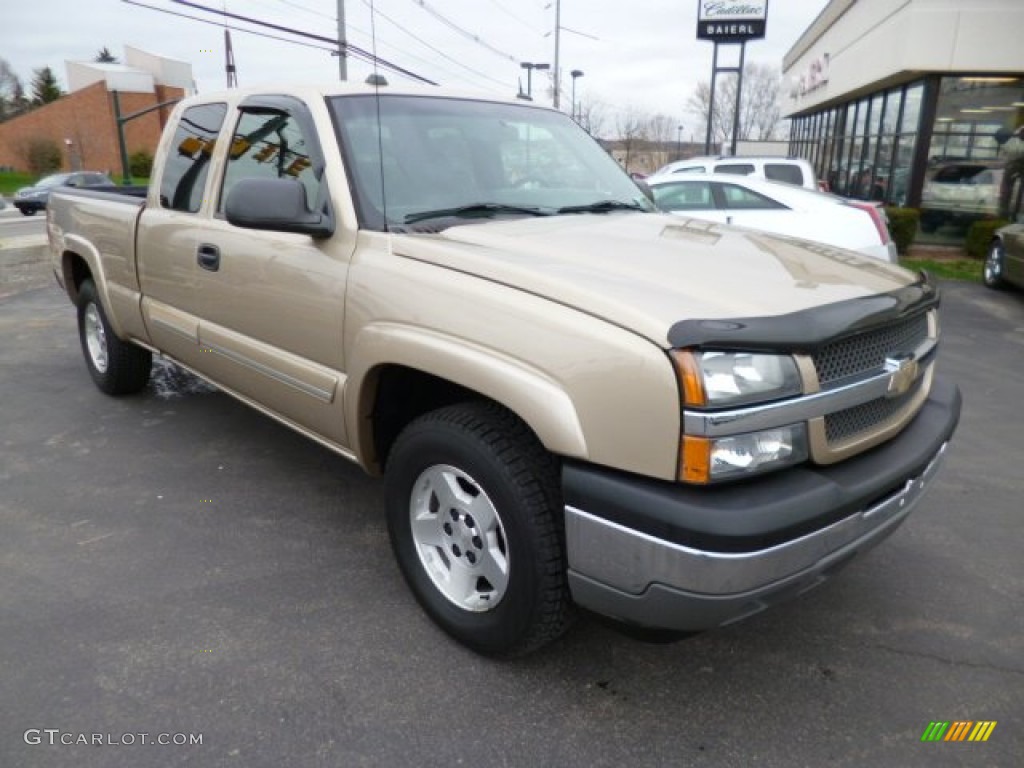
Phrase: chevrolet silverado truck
(574, 400)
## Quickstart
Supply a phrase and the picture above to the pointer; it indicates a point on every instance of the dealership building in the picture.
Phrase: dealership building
(916, 103)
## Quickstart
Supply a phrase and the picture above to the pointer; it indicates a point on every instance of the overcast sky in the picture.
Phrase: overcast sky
(641, 53)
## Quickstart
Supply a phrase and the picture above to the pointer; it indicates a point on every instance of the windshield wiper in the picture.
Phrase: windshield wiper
(475, 209)
(602, 206)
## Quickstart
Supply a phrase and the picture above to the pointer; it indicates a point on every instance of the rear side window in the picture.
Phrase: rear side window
(790, 174)
(188, 161)
(269, 145)
(684, 196)
(737, 169)
(741, 198)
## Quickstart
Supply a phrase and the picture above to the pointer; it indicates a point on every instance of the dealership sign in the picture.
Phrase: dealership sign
(731, 21)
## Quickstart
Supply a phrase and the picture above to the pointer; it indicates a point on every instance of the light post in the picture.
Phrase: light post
(529, 66)
(679, 143)
(572, 106)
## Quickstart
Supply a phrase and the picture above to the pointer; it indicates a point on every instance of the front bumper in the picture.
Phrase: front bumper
(667, 556)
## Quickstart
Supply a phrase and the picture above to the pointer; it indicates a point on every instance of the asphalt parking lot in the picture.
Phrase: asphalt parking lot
(180, 566)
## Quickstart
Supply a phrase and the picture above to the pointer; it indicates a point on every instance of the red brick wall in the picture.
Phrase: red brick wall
(87, 118)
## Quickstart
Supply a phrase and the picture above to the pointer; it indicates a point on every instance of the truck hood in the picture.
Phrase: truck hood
(646, 272)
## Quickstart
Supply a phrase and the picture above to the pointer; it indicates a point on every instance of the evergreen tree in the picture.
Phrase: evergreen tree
(45, 87)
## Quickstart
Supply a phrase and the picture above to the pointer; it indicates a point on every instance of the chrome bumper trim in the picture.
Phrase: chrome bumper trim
(629, 561)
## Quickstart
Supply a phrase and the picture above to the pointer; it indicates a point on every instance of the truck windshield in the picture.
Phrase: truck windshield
(444, 161)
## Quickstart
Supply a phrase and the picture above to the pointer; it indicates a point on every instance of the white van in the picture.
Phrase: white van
(789, 170)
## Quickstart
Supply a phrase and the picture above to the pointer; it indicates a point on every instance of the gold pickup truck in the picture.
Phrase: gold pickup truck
(574, 399)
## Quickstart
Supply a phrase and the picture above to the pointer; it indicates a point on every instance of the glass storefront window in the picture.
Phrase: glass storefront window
(892, 111)
(912, 109)
(979, 124)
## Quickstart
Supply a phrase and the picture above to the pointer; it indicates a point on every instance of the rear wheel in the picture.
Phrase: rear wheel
(475, 519)
(994, 264)
(117, 367)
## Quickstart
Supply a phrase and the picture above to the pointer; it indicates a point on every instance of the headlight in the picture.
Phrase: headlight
(709, 459)
(719, 380)
(727, 379)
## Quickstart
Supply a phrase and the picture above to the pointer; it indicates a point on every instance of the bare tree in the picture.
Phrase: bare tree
(12, 92)
(661, 132)
(759, 105)
(104, 56)
(592, 115)
(631, 127)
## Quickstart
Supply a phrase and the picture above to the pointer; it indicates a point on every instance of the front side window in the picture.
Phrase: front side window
(269, 145)
(741, 198)
(183, 180)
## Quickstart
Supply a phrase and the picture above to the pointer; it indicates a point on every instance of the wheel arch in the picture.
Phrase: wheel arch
(399, 373)
(80, 261)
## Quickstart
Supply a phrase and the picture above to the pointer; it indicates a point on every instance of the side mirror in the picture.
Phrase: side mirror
(275, 204)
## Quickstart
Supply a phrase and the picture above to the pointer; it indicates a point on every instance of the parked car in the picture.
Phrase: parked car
(28, 200)
(1004, 264)
(781, 209)
(788, 170)
(960, 193)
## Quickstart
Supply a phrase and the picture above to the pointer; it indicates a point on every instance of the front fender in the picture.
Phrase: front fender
(528, 392)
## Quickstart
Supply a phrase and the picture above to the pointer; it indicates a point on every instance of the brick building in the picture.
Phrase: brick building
(82, 123)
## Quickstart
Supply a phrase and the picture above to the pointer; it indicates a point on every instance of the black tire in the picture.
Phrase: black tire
(27, 211)
(500, 473)
(117, 367)
(995, 263)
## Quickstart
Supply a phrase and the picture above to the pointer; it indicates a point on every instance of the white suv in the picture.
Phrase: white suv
(789, 170)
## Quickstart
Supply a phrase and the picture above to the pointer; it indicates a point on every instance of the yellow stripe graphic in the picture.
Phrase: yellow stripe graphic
(983, 730)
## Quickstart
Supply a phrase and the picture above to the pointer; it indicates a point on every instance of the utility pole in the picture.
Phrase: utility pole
(558, 37)
(342, 43)
(229, 60)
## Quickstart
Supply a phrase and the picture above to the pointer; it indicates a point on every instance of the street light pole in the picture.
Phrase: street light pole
(572, 107)
(679, 143)
(529, 66)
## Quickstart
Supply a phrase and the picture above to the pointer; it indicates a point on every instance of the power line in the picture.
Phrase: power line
(423, 42)
(309, 10)
(350, 49)
(514, 16)
(229, 26)
(465, 33)
(374, 41)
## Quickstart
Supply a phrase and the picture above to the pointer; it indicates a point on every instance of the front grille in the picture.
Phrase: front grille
(867, 417)
(865, 353)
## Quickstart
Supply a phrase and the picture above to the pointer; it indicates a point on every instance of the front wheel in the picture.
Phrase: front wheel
(992, 273)
(475, 520)
(117, 367)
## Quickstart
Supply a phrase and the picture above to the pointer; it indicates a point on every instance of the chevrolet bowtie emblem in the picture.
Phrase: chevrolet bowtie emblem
(902, 375)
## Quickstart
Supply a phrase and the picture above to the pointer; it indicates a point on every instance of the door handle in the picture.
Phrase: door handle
(208, 257)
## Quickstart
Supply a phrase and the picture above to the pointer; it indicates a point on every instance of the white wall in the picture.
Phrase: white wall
(873, 42)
